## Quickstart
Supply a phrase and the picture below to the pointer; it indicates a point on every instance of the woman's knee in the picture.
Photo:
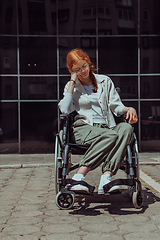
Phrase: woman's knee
(125, 127)
(128, 128)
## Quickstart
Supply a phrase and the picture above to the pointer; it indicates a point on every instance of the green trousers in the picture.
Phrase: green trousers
(107, 146)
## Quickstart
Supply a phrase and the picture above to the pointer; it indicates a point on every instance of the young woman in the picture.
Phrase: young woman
(95, 99)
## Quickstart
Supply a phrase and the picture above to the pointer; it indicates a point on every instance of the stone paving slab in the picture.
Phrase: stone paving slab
(26, 159)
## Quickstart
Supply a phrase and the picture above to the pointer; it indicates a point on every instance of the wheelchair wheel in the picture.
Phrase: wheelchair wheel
(137, 199)
(58, 163)
(64, 200)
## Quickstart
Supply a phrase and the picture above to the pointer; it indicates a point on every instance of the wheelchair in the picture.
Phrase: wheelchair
(65, 147)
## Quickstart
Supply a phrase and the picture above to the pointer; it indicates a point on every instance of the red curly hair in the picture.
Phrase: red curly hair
(77, 54)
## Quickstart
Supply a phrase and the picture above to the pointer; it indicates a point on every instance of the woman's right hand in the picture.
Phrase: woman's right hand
(74, 76)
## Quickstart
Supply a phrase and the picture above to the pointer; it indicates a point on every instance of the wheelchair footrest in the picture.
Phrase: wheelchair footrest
(128, 182)
(74, 182)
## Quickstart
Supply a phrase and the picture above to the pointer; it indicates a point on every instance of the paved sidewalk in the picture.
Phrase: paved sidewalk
(28, 210)
(31, 160)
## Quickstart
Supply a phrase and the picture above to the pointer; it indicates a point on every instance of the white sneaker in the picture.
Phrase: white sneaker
(78, 188)
(103, 181)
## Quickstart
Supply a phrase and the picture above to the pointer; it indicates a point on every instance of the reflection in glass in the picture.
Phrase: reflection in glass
(103, 28)
(8, 128)
(38, 55)
(8, 53)
(85, 43)
(8, 17)
(118, 55)
(128, 86)
(150, 57)
(150, 126)
(37, 17)
(88, 42)
(150, 87)
(149, 20)
(8, 88)
(117, 17)
(38, 127)
(77, 17)
(38, 88)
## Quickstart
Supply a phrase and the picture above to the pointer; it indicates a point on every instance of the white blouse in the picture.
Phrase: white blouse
(93, 97)
(96, 109)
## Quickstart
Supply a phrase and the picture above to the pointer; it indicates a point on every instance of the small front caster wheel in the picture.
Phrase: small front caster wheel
(64, 200)
(137, 199)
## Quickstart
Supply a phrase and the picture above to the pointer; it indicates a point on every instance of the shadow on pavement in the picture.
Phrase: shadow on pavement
(114, 204)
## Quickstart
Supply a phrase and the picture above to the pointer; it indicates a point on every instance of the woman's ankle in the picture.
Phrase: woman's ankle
(83, 170)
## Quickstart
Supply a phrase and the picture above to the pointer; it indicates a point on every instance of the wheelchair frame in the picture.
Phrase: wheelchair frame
(63, 150)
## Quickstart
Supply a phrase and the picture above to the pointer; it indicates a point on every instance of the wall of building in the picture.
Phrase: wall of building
(122, 38)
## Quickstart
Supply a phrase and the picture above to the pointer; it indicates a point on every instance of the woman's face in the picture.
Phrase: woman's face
(81, 69)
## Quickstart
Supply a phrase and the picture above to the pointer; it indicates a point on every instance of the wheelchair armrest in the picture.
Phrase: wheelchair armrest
(124, 117)
(70, 116)
(121, 118)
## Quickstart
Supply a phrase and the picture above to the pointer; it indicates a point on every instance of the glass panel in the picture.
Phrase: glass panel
(77, 17)
(38, 55)
(133, 104)
(150, 58)
(128, 86)
(150, 21)
(8, 88)
(62, 83)
(37, 17)
(150, 87)
(8, 128)
(38, 88)
(8, 53)
(8, 18)
(117, 17)
(118, 55)
(87, 44)
(150, 126)
(38, 127)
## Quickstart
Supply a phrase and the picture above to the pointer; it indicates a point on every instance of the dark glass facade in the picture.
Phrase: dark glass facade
(122, 38)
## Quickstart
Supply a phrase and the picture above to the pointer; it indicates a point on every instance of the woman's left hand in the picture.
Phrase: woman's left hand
(131, 115)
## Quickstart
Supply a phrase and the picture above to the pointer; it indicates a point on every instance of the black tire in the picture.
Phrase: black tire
(58, 164)
(137, 199)
(64, 200)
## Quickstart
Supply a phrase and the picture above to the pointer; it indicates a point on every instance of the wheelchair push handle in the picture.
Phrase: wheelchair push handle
(64, 116)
